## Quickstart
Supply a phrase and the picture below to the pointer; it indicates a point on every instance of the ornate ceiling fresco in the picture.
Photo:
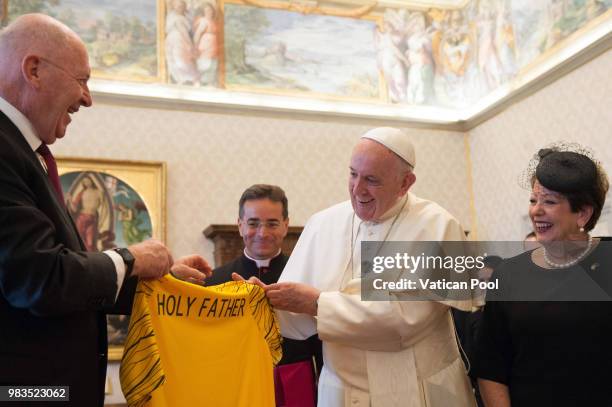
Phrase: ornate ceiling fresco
(438, 62)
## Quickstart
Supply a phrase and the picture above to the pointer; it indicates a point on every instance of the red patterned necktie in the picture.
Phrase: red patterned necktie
(44, 151)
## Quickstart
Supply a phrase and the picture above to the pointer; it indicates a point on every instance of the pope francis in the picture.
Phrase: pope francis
(376, 353)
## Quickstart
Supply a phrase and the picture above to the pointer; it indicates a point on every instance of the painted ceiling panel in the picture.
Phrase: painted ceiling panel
(431, 62)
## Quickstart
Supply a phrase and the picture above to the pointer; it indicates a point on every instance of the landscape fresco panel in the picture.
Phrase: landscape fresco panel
(306, 53)
(121, 41)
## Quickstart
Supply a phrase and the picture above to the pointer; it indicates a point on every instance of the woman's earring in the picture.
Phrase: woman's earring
(582, 229)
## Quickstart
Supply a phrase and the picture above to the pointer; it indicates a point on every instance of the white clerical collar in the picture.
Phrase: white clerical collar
(393, 211)
(21, 122)
(262, 262)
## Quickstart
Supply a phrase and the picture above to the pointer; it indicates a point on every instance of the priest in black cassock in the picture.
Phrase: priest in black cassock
(263, 221)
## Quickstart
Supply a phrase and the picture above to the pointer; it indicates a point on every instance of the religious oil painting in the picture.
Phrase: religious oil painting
(122, 41)
(286, 51)
(114, 204)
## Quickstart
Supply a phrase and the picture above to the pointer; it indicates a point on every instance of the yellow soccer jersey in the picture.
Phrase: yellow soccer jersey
(190, 346)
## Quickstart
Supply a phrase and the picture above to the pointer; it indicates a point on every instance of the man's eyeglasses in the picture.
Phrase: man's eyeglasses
(82, 80)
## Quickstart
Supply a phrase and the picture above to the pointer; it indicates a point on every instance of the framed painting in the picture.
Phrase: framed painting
(115, 204)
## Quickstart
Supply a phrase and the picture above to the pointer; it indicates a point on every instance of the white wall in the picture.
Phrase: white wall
(213, 157)
(576, 108)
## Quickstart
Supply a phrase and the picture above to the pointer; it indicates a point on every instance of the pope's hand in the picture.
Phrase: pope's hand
(294, 297)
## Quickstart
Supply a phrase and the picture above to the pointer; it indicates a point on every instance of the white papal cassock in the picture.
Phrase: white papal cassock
(377, 353)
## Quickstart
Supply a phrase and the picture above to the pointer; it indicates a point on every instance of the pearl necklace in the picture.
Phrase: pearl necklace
(571, 262)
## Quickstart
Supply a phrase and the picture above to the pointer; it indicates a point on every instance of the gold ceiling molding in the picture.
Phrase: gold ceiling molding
(313, 7)
(413, 5)
(426, 4)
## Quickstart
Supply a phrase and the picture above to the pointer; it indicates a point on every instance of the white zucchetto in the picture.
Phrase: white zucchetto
(395, 140)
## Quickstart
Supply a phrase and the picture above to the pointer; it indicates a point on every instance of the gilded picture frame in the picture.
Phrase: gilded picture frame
(115, 203)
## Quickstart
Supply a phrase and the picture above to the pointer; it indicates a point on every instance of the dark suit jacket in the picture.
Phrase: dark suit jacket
(53, 294)
(293, 350)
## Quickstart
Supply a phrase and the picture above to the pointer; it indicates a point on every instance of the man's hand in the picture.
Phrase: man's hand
(192, 268)
(294, 297)
(152, 259)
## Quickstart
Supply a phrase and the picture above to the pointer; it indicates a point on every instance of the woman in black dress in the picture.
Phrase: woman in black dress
(548, 340)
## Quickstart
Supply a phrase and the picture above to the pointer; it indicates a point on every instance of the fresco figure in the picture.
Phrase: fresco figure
(489, 64)
(455, 54)
(420, 71)
(391, 59)
(205, 39)
(180, 52)
(505, 43)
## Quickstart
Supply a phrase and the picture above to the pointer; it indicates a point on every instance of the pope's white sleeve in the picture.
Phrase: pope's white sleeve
(299, 269)
(375, 325)
(296, 326)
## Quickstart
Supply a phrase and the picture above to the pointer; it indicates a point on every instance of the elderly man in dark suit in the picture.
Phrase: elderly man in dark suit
(53, 293)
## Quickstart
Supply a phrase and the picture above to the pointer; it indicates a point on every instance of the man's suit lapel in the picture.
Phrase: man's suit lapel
(9, 128)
